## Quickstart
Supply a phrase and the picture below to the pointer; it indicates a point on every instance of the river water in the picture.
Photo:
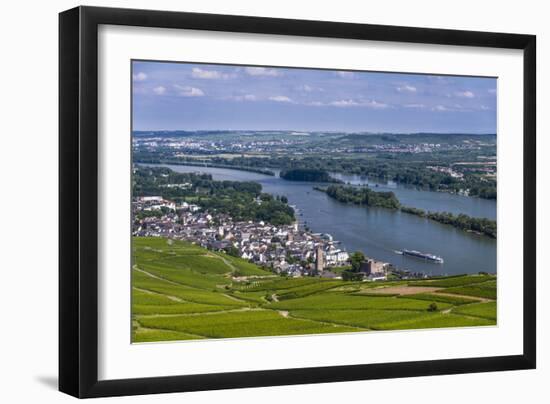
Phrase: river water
(380, 232)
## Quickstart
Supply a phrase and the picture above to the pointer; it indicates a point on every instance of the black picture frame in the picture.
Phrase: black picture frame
(78, 201)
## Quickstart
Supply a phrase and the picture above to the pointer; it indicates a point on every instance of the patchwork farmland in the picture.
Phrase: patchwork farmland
(182, 292)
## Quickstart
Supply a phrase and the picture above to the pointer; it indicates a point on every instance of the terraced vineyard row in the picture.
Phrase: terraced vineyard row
(182, 292)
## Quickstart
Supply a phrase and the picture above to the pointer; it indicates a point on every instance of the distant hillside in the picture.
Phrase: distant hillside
(449, 138)
(170, 133)
(370, 138)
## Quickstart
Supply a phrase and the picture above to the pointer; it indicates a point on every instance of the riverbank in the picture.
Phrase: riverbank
(364, 196)
(379, 232)
(468, 187)
(196, 164)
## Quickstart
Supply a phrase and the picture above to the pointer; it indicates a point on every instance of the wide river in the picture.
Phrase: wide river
(380, 232)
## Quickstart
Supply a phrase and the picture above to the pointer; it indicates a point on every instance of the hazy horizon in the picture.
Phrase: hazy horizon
(305, 132)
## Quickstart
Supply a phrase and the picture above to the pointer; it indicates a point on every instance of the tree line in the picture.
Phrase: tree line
(242, 200)
(307, 174)
(391, 168)
(368, 197)
(362, 196)
(461, 221)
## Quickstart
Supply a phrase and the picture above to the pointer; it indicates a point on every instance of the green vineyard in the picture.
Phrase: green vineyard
(181, 292)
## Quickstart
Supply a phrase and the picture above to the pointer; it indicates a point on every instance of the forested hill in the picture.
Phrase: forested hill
(449, 138)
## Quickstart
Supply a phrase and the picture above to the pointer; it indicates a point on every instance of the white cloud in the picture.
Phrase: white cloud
(160, 90)
(199, 73)
(139, 76)
(484, 108)
(345, 75)
(376, 105)
(352, 103)
(345, 103)
(457, 108)
(417, 106)
(465, 94)
(261, 71)
(187, 91)
(280, 98)
(246, 97)
(492, 91)
(406, 89)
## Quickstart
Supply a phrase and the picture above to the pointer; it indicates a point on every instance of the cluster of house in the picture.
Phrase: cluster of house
(152, 203)
(405, 147)
(285, 249)
(194, 145)
(446, 170)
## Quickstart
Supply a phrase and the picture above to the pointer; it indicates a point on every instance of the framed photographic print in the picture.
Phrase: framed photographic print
(250, 202)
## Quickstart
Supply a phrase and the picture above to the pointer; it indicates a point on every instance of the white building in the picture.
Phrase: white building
(184, 206)
(194, 208)
(336, 257)
(149, 198)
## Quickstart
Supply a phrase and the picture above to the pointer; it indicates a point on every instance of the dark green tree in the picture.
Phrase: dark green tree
(232, 250)
(357, 258)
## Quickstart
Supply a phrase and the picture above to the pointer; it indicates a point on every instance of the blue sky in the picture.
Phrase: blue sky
(186, 96)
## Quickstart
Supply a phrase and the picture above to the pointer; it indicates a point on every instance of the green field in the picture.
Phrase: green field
(182, 292)
(483, 310)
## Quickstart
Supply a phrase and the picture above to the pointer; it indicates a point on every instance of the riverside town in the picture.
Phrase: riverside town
(284, 249)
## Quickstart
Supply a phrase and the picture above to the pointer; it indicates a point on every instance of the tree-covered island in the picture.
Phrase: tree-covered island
(307, 174)
(361, 196)
(367, 197)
